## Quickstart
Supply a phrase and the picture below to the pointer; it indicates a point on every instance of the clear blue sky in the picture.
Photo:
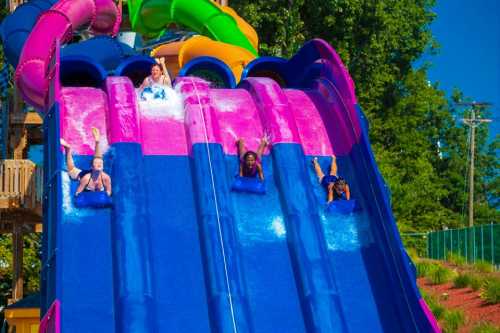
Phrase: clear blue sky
(469, 59)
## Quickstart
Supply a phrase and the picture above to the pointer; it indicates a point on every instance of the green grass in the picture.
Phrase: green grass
(453, 319)
(483, 267)
(441, 275)
(462, 280)
(455, 259)
(485, 327)
(491, 291)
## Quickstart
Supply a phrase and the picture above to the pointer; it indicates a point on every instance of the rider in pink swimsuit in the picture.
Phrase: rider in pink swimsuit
(250, 161)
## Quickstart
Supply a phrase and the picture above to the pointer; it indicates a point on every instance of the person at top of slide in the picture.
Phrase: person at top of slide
(250, 161)
(336, 186)
(159, 75)
(93, 179)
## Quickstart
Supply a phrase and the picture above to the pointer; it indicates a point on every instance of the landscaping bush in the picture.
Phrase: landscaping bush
(425, 268)
(412, 253)
(483, 267)
(437, 309)
(441, 275)
(491, 291)
(455, 259)
(476, 282)
(462, 280)
(485, 327)
(453, 319)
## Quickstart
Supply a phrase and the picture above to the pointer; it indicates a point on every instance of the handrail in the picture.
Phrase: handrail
(21, 183)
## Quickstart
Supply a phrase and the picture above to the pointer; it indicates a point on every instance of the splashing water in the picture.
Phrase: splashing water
(278, 227)
(69, 210)
(346, 232)
(169, 107)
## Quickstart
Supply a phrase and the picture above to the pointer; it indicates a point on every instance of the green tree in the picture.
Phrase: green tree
(278, 22)
(31, 265)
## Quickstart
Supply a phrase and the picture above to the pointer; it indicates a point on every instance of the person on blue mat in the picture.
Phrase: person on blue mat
(336, 186)
(250, 161)
(153, 87)
(93, 179)
(159, 75)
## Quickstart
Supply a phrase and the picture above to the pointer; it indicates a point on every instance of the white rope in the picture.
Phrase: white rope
(221, 240)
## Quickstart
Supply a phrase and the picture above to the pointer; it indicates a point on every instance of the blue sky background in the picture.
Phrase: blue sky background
(468, 32)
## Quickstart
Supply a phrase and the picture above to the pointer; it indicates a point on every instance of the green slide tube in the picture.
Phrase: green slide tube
(150, 17)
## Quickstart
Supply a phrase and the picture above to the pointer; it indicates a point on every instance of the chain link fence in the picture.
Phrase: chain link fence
(478, 243)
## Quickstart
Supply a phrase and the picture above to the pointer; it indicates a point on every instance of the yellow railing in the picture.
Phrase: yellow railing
(21, 184)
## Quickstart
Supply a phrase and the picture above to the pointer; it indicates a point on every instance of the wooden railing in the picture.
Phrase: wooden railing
(21, 184)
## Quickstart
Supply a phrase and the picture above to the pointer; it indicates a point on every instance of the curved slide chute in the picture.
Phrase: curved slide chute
(203, 16)
(227, 36)
(17, 27)
(245, 28)
(103, 50)
(58, 23)
(181, 53)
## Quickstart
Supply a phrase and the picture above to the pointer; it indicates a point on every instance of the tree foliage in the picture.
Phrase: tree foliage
(31, 265)
(420, 145)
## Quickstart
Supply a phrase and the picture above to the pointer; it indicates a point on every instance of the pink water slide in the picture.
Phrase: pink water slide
(58, 23)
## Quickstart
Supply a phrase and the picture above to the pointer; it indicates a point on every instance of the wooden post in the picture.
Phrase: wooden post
(17, 258)
(471, 175)
(18, 134)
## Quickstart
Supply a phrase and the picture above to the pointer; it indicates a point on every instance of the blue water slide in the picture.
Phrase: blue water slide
(244, 248)
(371, 270)
(210, 69)
(204, 258)
(297, 72)
(136, 68)
(104, 50)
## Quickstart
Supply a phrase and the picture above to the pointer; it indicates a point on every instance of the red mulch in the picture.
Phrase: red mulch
(466, 299)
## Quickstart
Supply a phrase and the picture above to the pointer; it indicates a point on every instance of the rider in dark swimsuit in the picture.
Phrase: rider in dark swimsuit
(336, 186)
(94, 179)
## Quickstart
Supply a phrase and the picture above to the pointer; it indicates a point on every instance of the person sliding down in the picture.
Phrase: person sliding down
(153, 86)
(336, 186)
(250, 161)
(93, 179)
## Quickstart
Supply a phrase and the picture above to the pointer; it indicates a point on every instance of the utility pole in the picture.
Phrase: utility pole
(473, 122)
